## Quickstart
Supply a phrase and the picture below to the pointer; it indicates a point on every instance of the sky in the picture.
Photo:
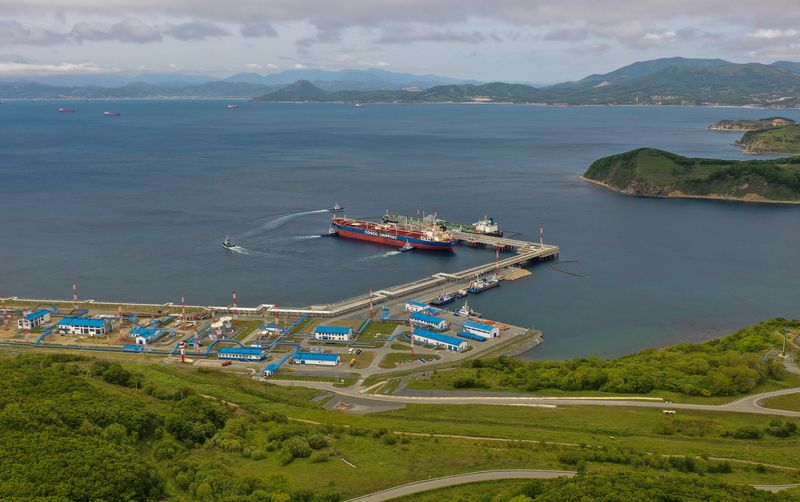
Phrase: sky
(539, 41)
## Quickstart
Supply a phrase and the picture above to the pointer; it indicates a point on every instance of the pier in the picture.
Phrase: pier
(526, 254)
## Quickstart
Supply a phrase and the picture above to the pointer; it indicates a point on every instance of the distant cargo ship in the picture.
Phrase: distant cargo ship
(66, 110)
(233, 107)
(394, 235)
(487, 226)
(111, 114)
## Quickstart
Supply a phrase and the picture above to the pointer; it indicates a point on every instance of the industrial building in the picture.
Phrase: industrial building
(428, 321)
(143, 336)
(415, 306)
(32, 320)
(271, 329)
(316, 359)
(241, 353)
(83, 326)
(334, 333)
(438, 340)
(222, 328)
(481, 329)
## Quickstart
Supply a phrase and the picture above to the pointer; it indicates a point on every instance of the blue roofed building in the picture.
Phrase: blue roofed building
(438, 340)
(143, 336)
(32, 320)
(419, 319)
(132, 348)
(316, 358)
(481, 329)
(241, 353)
(333, 333)
(83, 326)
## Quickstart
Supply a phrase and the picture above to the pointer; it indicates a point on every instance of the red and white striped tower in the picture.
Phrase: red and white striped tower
(497, 260)
(412, 341)
(183, 307)
(278, 329)
(541, 234)
(370, 302)
(234, 303)
(182, 345)
(75, 294)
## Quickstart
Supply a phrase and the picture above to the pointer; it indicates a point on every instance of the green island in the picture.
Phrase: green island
(121, 428)
(649, 172)
(784, 139)
(750, 124)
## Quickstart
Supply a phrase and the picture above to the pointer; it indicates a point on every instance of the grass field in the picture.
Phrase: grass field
(377, 329)
(788, 402)
(545, 430)
(393, 359)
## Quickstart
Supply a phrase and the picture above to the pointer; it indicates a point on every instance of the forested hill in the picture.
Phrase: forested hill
(655, 173)
(677, 83)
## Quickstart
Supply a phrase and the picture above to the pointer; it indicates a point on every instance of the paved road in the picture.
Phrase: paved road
(460, 479)
(745, 405)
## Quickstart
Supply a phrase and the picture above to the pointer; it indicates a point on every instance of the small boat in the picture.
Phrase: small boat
(406, 247)
(466, 311)
(461, 293)
(111, 114)
(336, 208)
(228, 243)
(443, 299)
(331, 233)
(483, 284)
(233, 107)
(486, 226)
(359, 105)
(66, 110)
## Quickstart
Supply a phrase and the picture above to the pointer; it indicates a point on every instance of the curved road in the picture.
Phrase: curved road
(749, 404)
(460, 479)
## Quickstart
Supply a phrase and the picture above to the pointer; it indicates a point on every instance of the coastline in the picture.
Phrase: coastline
(680, 195)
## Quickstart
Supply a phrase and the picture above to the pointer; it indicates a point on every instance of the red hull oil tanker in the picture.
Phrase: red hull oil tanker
(393, 235)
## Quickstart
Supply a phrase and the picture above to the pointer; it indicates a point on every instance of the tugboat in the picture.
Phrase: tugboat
(461, 293)
(228, 243)
(336, 208)
(483, 284)
(233, 107)
(66, 110)
(443, 299)
(111, 114)
(406, 247)
(466, 311)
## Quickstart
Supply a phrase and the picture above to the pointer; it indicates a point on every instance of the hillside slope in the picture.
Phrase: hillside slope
(649, 172)
(774, 140)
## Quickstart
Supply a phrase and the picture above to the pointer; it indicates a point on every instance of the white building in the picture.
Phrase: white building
(32, 320)
(481, 329)
(333, 333)
(415, 306)
(83, 326)
(316, 359)
(221, 328)
(428, 321)
(438, 340)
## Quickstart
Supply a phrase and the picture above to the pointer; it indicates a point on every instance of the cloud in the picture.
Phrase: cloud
(258, 30)
(771, 34)
(18, 69)
(299, 66)
(128, 30)
(195, 30)
(14, 33)
(412, 33)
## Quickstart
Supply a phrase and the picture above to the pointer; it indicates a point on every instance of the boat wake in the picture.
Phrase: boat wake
(241, 250)
(305, 237)
(380, 256)
(279, 222)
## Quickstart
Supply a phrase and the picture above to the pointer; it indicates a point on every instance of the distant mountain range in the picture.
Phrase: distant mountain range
(242, 85)
(668, 81)
(671, 81)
